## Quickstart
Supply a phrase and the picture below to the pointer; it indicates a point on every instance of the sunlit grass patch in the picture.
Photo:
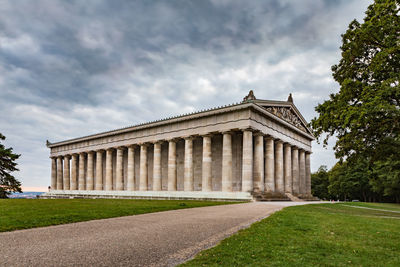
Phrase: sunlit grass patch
(313, 235)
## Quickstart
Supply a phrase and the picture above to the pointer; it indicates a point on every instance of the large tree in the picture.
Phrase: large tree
(364, 115)
(8, 183)
(366, 111)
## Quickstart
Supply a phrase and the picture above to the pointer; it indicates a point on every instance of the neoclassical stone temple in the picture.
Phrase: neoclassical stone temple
(240, 151)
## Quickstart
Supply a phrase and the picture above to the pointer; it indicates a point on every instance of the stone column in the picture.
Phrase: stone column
(302, 169)
(269, 165)
(227, 162)
(247, 168)
(66, 175)
(81, 185)
(60, 185)
(74, 172)
(90, 171)
(109, 170)
(157, 185)
(259, 162)
(206, 182)
(157, 182)
(131, 168)
(171, 165)
(308, 174)
(188, 166)
(99, 170)
(119, 169)
(295, 170)
(53, 173)
(143, 168)
(288, 168)
(279, 182)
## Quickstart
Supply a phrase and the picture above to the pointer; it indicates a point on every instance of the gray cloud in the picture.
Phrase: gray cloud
(72, 68)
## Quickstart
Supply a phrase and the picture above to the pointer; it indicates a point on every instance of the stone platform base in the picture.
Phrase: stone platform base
(194, 195)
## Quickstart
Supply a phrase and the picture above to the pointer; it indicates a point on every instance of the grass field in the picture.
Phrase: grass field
(28, 213)
(342, 234)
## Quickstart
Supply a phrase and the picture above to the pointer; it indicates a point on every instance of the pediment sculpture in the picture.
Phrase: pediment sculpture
(288, 115)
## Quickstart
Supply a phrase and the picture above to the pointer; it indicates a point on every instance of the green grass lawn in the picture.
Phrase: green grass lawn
(28, 213)
(314, 235)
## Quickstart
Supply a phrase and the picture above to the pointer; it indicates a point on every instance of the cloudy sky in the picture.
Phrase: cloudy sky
(73, 68)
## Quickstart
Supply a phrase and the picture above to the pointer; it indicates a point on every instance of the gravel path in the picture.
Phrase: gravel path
(155, 239)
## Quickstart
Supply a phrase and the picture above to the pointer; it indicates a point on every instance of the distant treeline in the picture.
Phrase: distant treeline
(359, 179)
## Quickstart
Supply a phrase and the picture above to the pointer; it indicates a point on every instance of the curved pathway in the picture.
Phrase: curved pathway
(154, 239)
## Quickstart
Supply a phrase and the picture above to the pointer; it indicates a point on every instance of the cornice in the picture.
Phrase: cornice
(256, 104)
(156, 123)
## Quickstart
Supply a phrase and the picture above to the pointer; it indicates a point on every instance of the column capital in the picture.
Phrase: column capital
(91, 152)
(120, 147)
(60, 156)
(132, 146)
(172, 140)
(67, 156)
(207, 135)
(109, 149)
(279, 141)
(99, 150)
(250, 129)
(159, 141)
(258, 133)
(269, 137)
(188, 137)
(287, 144)
(144, 144)
(308, 152)
(295, 148)
(82, 153)
(226, 132)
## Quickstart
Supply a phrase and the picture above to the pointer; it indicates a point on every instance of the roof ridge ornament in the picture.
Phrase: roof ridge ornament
(290, 98)
(250, 97)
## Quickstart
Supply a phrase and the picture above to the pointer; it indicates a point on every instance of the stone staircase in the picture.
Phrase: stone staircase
(264, 196)
(269, 196)
(294, 198)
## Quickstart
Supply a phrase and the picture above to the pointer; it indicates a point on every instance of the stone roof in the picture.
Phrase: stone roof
(284, 110)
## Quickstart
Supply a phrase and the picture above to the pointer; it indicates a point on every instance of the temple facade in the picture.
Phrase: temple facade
(252, 149)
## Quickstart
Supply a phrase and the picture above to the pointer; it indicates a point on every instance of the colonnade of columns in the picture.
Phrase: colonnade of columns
(268, 165)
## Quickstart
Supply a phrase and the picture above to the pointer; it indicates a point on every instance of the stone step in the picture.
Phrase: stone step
(293, 198)
(269, 196)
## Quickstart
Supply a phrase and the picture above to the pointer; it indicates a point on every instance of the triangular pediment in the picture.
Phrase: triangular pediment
(287, 112)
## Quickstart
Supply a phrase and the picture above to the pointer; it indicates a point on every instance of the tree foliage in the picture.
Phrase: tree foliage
(8, 183)
(366, 109)
(357, 179)
(386, 179)
(351, 180)
(320, 183)
(364, 115)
